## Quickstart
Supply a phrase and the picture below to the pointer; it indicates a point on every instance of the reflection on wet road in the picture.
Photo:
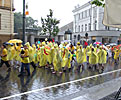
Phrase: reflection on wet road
(11, 84)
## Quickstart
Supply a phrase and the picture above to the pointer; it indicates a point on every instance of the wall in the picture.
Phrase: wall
(6, 22)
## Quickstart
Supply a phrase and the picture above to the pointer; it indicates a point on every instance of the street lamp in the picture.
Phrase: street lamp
(23, 21)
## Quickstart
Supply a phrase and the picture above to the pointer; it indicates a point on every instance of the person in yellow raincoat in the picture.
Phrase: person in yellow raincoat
(31, 55)
(81, 57)
(11, 53)
(116, 55)
(42, 57)
(88, 49)
(57, 61)
(35, 54)
(4, 58)
(67, 57)
(102, 57)
(78, 45)
(17, 55)
(92, 58)
(25, 61)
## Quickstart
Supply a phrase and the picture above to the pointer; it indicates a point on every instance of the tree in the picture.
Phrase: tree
(50, 25)
(18, 22)
(98, 2)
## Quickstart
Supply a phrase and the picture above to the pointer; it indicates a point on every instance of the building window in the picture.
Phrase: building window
(82, 28)
(85, 27)
(81, 15)
(86, 14)
(107, 28)
(89, 27)
(79, 28)
(78, 37)
(0, 21)
(74, 36)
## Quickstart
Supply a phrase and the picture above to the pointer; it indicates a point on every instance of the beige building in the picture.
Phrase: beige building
(6, 20)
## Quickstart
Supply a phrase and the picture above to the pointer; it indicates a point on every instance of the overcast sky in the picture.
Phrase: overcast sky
(40, 8)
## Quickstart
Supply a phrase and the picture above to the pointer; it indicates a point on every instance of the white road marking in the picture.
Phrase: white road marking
(37, 90)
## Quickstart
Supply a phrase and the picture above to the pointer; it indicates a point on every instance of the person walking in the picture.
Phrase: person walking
(25, 61)
(4, 58)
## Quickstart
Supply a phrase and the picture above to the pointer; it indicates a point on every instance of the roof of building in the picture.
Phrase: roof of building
(77, 8)
(65, 28)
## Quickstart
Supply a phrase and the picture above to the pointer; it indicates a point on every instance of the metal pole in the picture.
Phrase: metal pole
(23, 21)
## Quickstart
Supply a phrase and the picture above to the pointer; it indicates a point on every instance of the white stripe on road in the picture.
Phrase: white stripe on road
(37, 90)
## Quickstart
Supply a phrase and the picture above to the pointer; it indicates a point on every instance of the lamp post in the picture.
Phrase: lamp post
(23, 21)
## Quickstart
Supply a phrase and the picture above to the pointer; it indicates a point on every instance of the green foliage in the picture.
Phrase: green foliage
(18, 22)
(50, 25)
(98, 2)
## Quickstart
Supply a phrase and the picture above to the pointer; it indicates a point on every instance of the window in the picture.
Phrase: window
(89, 27)
(86, 14)
(81, 15)
(95, 25)
(78, 37)
(79, 28)
(74, 36)
(106, 27)
(85, 27)
(82, 28)
(0, 21)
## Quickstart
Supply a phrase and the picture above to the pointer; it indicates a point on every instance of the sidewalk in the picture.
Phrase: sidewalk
(99, 92)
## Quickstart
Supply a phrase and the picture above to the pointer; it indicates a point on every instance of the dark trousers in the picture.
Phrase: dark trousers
(26, 65)
(34, 66)
(4, 62)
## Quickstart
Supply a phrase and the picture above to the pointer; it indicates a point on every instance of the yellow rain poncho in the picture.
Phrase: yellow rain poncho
(67, 57)
(102, 56)
(116, 55)
(42, 57)
(81, 55)
(35, 53)
(18, 51)
(57, 60)
(92, 57)
(31, 52)
(11, 52)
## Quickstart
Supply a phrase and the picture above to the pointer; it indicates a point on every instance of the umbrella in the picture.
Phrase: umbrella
(105, 47)
(119, 46)
(112, 44)
(15, 41)
(97, 43)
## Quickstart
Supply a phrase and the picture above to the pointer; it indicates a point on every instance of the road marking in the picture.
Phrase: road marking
(37, 90)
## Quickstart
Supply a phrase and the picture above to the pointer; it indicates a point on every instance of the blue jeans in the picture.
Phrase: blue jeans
(26, 65)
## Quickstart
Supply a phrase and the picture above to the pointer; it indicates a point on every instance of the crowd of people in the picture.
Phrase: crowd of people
(57, 58)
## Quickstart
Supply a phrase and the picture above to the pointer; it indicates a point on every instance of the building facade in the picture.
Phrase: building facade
(88, 19)
(6, 20)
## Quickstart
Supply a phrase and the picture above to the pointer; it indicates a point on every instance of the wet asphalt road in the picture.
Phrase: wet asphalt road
(11, 84)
